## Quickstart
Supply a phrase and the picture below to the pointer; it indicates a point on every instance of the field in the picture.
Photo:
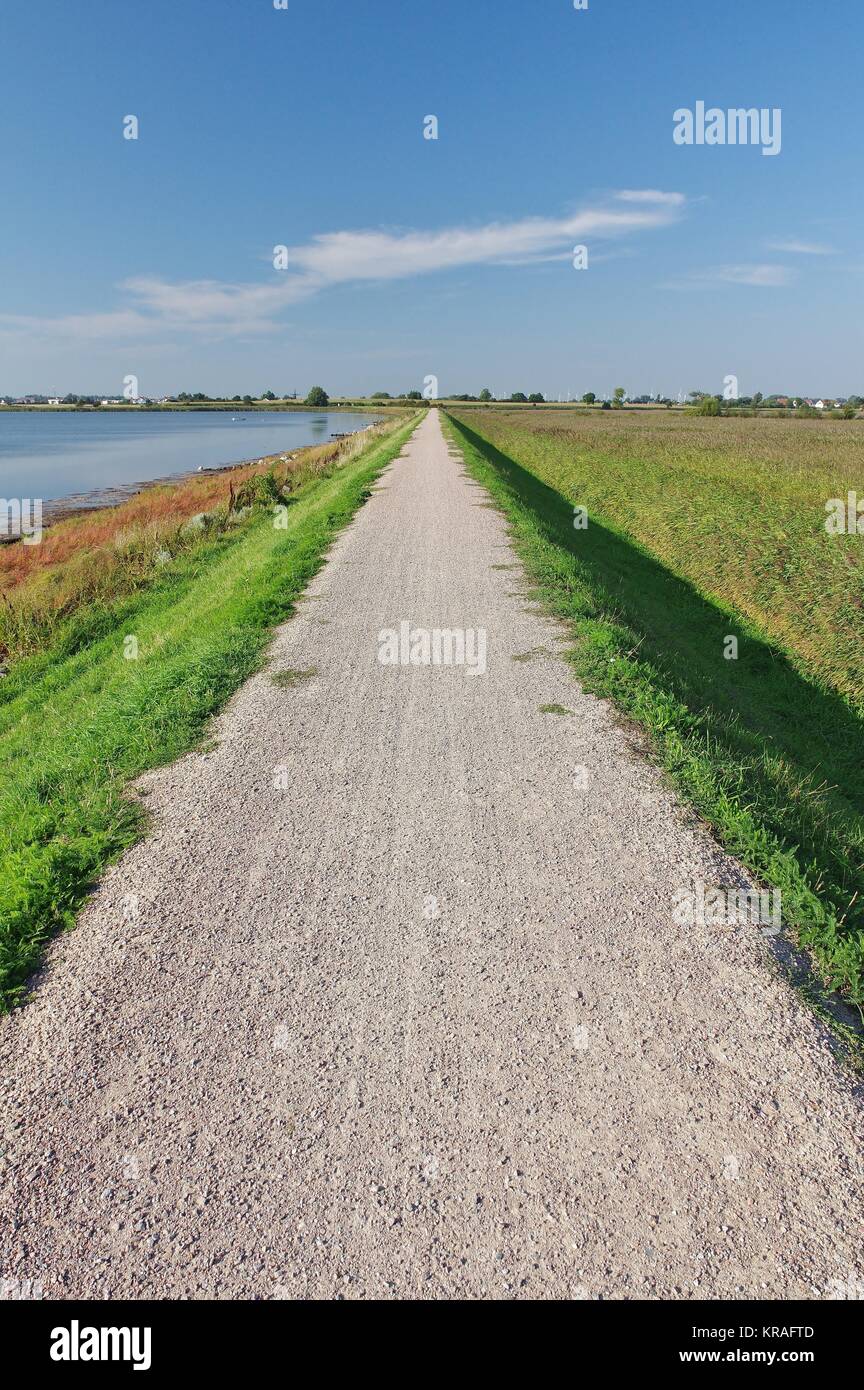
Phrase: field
(700, 530)
(124, 631)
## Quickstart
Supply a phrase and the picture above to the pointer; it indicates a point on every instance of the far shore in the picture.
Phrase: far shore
(236, 406)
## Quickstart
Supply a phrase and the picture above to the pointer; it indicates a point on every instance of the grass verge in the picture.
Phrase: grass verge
(79, 719)
(770, 758)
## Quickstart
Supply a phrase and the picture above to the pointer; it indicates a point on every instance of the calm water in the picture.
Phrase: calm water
(50, 455)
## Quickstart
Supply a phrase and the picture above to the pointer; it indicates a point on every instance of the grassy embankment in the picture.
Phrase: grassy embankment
(698, 530)
(78, 719)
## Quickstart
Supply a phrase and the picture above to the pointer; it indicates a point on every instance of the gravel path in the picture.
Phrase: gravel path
(392, 1001)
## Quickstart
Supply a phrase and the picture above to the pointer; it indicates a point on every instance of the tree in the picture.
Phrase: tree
(486, 394)
(589, 398)
(267, 396)
(414, 396)
(519, 397)
(380, 396)
(247, 400)
(537, 398)
(757, 398)
(317, 397)
(618, 398)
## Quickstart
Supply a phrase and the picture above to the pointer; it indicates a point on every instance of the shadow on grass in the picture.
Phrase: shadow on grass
(788, 747)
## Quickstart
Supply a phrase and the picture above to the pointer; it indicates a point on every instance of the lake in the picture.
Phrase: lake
(50, 454)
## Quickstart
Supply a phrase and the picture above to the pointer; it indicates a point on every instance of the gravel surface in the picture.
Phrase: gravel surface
(392, 1001)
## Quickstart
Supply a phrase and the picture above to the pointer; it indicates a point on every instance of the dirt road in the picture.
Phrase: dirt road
(392, 1002)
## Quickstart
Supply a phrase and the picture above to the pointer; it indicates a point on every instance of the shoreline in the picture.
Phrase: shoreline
(56, 509)
(216, 406)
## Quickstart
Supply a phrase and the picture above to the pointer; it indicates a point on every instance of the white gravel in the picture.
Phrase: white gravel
(416, 1021)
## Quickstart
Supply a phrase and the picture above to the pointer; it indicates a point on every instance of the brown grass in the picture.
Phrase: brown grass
(110, 552)
(164, 505)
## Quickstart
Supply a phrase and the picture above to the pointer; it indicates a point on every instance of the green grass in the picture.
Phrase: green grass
(79, 720)
(768, 747)
(290, 677)
(736, 507)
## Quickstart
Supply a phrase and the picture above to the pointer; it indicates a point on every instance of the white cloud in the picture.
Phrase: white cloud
(802, 248)
(761, 276)
(650, 195)
(119, 323)
(756, 274)
(221, 308)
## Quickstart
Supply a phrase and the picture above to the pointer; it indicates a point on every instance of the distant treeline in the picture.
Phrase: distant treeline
(699, 402)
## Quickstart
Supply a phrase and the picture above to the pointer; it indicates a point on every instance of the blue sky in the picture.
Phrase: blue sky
(409, 257)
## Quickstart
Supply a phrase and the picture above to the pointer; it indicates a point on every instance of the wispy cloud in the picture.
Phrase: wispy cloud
(760, 276)
(650, 195)
(340, 258)
(801, 248)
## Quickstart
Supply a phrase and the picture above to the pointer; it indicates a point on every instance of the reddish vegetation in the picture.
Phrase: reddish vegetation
(154, 507)
(101, 555)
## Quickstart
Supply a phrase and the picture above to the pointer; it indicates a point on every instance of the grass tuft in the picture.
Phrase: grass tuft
(289, 677)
